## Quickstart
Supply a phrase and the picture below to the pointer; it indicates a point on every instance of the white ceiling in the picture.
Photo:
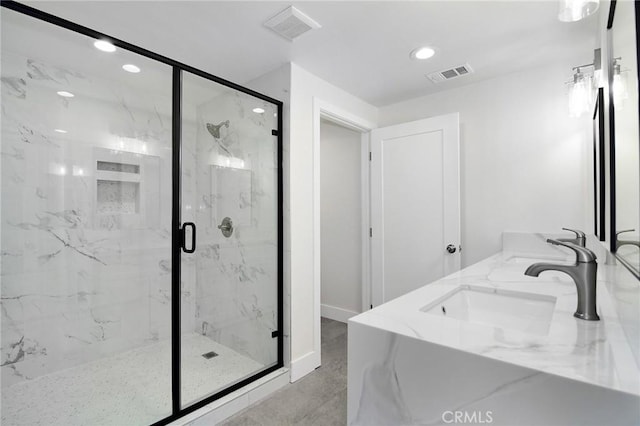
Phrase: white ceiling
(362, 47)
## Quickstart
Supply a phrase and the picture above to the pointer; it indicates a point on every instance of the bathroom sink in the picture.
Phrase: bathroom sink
(522, 260)
(505, 309)
(513, 268)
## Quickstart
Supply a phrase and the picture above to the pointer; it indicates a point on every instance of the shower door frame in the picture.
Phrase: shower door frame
(176, 203)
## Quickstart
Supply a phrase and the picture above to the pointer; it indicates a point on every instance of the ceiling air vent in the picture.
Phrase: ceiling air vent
(291, 23)
(455, 72)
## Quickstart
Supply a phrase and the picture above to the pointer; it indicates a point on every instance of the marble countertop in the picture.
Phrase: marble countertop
(595, 352)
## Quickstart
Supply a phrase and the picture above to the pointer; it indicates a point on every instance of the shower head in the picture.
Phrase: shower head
(214, 129)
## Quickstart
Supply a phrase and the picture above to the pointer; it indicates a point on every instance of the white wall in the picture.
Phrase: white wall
(304, 88)
(525, 165)
(341, 218)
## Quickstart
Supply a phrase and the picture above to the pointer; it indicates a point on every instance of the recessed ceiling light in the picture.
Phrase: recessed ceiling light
(422, 53)
(60, 130)
(131, 68)
(258, 110)
(105, 46)
(66, 94)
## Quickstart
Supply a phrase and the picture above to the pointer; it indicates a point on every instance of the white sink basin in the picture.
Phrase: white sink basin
(514, 267)
(519, 260)
(505, 309)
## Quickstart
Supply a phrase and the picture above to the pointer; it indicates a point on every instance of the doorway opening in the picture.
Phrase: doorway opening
(339, 124)
(340, 221)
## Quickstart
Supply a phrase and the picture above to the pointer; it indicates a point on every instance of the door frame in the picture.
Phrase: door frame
(337, 115)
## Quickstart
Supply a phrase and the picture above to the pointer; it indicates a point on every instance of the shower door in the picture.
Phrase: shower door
(140, 230)
(229, 263)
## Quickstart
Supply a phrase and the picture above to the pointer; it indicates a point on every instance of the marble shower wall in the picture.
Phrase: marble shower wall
(85, 216)
(236, 277)
(86, 260)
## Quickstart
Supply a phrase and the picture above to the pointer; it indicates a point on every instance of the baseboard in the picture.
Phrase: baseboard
(304, 365)
(336, 314)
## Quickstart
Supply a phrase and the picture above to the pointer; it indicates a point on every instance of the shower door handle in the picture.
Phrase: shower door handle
(193, 237)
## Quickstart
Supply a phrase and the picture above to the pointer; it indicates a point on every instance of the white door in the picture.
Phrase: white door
(415, 205)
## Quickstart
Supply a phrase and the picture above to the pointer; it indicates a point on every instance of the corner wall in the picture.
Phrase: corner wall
(305, 342)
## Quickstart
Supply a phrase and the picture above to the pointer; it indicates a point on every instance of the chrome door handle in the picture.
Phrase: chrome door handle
(451, 248)
(226, 227)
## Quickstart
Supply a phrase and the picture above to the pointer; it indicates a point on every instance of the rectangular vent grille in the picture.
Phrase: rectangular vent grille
(291, 23)
(448, 74)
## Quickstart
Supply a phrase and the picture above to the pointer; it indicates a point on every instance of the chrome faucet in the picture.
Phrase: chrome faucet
(580, 239)
(583, 272)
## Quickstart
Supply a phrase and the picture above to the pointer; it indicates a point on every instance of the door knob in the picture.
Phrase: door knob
(451, 248)
(226, 227)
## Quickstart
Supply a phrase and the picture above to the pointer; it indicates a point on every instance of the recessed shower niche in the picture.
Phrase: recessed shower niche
(118, 197)
(127, 189)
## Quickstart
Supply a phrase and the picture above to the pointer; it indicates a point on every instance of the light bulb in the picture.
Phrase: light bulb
(131, 68)
(580, 94)
(422, 53)
(575, 10)
(619, 87)
(105, 46)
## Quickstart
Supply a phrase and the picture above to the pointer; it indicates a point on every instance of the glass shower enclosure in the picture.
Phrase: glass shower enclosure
(140, 230)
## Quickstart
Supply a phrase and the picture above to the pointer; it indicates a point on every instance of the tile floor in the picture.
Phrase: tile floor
(320, 398)
(130, 388)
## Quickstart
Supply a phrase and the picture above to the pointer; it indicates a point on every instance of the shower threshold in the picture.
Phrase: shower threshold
(129, 388)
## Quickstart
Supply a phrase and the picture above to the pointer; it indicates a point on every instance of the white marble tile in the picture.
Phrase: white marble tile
(399, 380)
(79, 283)
(235, 176)
(86, 275)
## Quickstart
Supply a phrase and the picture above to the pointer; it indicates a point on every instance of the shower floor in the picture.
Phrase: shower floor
(127, 389)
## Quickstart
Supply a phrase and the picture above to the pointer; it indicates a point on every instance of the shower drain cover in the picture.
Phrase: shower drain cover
(209, 355)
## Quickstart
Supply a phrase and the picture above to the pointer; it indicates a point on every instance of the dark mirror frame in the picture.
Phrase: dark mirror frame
(599, 168)
(612, 136)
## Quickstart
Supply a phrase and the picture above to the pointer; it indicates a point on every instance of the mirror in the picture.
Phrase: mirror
(625, 143)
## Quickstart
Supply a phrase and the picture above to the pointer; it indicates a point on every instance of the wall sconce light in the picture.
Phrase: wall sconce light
(619, 84)
(579, 93)
(586, 79)
(575, 10)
